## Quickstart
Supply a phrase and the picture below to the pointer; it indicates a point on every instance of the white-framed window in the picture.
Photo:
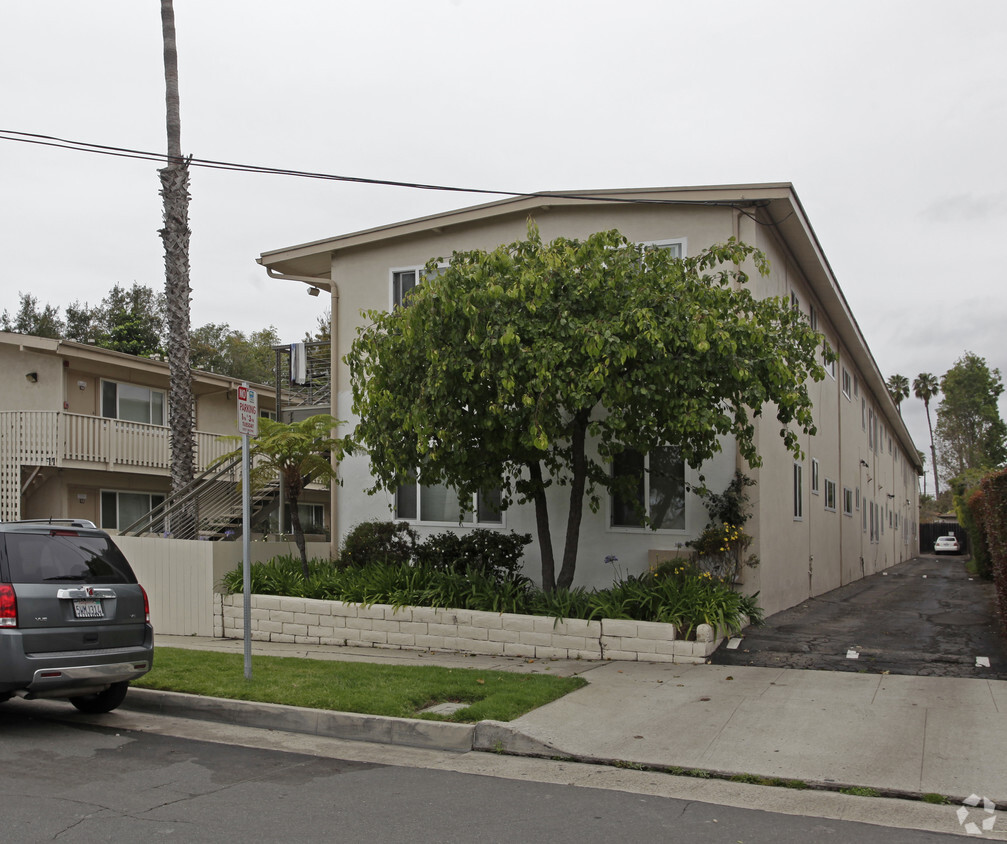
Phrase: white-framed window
(846, 382)
(813, 317)
(676, 246)
(865, 523)
(798, 491)
(312, 518)
(132, 403)
(830, 366)
(654, 484)
(119, 509)
(795, 302)
(857, 497)
(267, 414)
(830, 494)
(856, 384)
(863, 413)
(438, 504)
(814, 476)
(847, 501)
(404, 279)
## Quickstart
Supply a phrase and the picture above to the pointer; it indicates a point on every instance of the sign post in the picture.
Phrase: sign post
(248, 426)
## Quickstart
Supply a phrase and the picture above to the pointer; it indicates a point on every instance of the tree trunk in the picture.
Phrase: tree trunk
(542, 523)
(933, 451)
(298, 531)
(578, 444)
(175, 237)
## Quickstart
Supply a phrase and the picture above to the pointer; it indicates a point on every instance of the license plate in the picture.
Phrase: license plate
(89, 608)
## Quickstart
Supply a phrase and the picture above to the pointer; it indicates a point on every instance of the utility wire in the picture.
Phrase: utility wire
(211, 164)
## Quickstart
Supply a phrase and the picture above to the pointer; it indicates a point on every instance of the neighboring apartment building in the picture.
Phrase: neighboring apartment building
(83, 431)
(847, 509)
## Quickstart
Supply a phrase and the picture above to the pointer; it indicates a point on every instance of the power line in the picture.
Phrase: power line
(211, 164)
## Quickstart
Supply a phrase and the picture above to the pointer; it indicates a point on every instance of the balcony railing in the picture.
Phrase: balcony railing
(56, 438)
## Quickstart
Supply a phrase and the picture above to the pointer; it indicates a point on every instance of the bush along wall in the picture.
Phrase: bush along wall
(971, 510)
(994, 489)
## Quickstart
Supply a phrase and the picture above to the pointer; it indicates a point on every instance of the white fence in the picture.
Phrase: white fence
(179, 576)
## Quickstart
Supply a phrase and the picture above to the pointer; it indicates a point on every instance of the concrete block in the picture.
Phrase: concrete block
(321, 631)
(281, 637)
(433, 643)
(427, 615)
(317, 606)
(258, 612)
(372, 636)
(592, 654)
(489, 620)
(468, 631)
(545, 625)
(618, 627)
(359, 624)
(265, 602)
(343, 609)
(519, 650)
(307, 618)
(488, 648)
(518, 623)
(435, 629)
(373, 611)
(402, 640)
(281, 616)
(704, 633)
(260, 636)
(399, 614)
(640, 646)
(295, 629)
(504, 635)
(622, 656)
(416, 628)
(233, 612)
(543, 640)
(386, 626)
(654, 630)
(306, 640)
(292, 604)
(271, 626)
(578, 643)
(577, 627)
(338, 641)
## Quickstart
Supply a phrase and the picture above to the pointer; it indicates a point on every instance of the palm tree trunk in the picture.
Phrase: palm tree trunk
(933, 451)
(175, 237)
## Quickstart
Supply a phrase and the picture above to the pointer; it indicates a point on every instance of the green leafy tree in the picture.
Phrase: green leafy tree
(323, 329)
(300, 453)
(970, 432)
(30, 319)
(925, 387)
(503, 366)
(228, 351)
(898, 389)
(131, 321)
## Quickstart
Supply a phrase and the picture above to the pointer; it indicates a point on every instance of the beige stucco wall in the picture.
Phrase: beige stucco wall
(798, 558)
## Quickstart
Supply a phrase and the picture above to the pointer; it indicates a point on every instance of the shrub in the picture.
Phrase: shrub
(378, 542)
(496, 555)
(972, 516)
(995, 517)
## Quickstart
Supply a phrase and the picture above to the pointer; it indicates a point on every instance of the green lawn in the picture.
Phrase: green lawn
(398, 690)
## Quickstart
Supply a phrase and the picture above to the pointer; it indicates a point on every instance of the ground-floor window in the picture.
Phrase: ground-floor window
(120, 509)
(439, 503)
(652, 485)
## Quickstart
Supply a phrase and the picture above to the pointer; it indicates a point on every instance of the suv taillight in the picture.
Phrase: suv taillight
(8, 606)
(146, 606)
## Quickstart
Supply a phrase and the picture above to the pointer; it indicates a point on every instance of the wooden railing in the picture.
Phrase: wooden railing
(57, 438)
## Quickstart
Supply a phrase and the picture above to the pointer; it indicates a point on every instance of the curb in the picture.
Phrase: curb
(351, 726)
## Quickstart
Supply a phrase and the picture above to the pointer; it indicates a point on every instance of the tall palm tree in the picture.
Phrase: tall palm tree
(898, 387)
(175, 236)
(925, 387)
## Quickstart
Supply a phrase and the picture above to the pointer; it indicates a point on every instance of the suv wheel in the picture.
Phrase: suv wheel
(104, 701)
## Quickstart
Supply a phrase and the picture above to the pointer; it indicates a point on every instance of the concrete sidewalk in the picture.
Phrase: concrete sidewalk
(898, 734)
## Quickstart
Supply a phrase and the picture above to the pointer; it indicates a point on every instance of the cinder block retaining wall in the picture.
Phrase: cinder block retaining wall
(312, 622)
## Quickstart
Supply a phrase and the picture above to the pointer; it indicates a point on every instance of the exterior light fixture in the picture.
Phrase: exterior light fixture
(313, 291)
(32, 377)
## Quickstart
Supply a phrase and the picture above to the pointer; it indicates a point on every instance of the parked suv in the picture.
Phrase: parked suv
(74, 622)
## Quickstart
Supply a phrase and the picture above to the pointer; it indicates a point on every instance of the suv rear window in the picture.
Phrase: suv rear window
(65, 556)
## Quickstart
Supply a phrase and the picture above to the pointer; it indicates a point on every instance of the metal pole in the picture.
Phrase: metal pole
(246, 564)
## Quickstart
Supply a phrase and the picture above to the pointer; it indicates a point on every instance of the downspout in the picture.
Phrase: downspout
(321, 281)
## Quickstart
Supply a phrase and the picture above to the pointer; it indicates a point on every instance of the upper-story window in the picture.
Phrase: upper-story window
(655, 487)
(846, 382)
(813, 317)
(404, 279)
(132, 403)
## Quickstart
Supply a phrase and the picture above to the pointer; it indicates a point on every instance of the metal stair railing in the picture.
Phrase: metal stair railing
(211, 505)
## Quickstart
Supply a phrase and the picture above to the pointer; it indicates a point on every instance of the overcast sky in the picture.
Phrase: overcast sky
(889, 118)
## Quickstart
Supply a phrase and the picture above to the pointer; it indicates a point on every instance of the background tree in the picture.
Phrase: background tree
(30, 319)
(323, 329)
(501, 368)
(898, 389)
(300, 452)
(174, 178)
(227, 351)
(970, 432)
(925, 387)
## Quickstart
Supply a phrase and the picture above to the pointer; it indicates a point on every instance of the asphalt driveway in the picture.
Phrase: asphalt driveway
(926, 616)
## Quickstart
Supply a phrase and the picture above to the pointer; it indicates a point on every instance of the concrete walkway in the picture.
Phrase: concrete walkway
(902, 735)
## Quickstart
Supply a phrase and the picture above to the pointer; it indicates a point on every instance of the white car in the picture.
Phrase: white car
(947, 545)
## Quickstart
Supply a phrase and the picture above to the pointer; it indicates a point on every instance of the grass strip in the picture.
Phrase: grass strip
(395, 690)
